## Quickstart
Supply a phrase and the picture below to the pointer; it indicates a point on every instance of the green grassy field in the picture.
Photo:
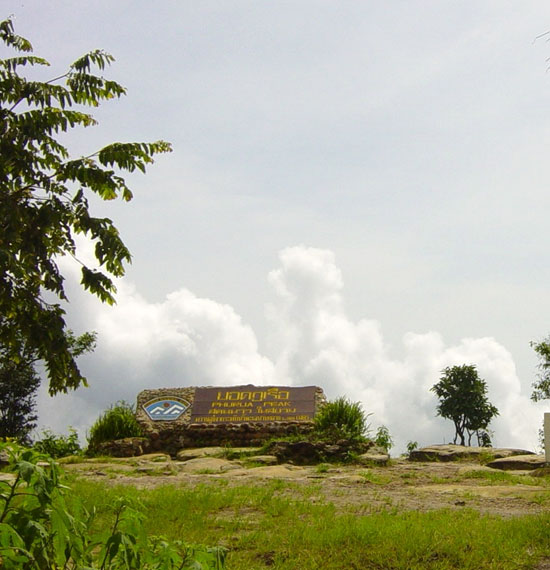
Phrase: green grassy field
(281, 525)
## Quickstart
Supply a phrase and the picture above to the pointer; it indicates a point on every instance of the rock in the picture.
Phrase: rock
(4, 458)
(304, 452)
(248, 451)
(369, 458)
(187, 454)
(155, 457)
(208, 465)
(264, 459)
(453, 452)
(8, 477)
(518, 462)
(126, 447)
(272, 472)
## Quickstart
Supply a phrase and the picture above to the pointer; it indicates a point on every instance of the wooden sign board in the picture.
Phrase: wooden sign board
(263, 404)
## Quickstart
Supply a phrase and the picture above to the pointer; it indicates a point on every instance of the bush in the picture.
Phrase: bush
(383, 438)
(40, 528)
(117, 422)
(58, 445)
(341, 419)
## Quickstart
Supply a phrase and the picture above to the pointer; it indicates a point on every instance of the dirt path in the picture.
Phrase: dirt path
(402, 485)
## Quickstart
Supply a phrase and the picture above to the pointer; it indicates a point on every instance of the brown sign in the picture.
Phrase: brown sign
(238, 404)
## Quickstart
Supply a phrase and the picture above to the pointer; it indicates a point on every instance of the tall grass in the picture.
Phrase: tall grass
(278, 526)
(117, 422)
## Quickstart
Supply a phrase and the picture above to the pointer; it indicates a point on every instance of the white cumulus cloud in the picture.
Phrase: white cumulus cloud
(187, 340)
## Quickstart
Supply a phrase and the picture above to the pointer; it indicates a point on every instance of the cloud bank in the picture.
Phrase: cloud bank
(187, 340)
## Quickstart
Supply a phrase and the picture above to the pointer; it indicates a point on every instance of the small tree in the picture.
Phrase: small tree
(541, 388)
(463, 399)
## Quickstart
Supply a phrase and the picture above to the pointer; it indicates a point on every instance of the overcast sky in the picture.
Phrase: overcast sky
(358, 197)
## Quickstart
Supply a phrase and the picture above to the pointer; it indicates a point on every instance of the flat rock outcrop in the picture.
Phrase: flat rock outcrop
(451, 452)
(518, 462)
(208, 465)
(272, 472)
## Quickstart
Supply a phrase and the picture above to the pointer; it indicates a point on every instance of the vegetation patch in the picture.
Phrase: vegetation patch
(278, 525)
(117, 422)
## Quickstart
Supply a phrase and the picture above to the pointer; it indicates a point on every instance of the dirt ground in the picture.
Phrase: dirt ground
(401, 485)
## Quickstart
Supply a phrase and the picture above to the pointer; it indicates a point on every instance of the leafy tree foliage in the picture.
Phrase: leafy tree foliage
(19, 383)
(463, 399)
(44, 201)
(541, 388)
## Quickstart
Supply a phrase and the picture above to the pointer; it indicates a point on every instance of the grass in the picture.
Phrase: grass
(374, 478)
(504, 477)
(278, 525)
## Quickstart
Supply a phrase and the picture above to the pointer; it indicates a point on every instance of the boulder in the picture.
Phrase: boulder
(451, 452)
(305, 452)
(518, 462)
(373, 458)
(126, 447)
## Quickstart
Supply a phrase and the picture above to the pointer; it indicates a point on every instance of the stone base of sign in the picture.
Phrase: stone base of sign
(172, 436)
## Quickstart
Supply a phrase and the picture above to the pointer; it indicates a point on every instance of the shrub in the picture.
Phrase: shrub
(58, 445)
(383, 438)
(341, 419)
(116, 422)
(411, 446)
(40, 528)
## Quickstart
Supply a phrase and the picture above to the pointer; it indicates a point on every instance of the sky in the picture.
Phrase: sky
(356, 199)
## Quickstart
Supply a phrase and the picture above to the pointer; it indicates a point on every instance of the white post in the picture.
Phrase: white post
(547, 437)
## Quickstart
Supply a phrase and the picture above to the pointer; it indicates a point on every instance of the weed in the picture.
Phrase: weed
(540, 499)
(374, 478)
(411, 446)
(57, 446)
(322, 468)
(485, 457)
(409, 475)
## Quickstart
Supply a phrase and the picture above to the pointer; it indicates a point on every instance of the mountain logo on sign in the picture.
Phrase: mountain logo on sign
(165, 408)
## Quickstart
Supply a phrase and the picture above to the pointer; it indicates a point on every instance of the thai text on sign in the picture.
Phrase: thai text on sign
(239, 404)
